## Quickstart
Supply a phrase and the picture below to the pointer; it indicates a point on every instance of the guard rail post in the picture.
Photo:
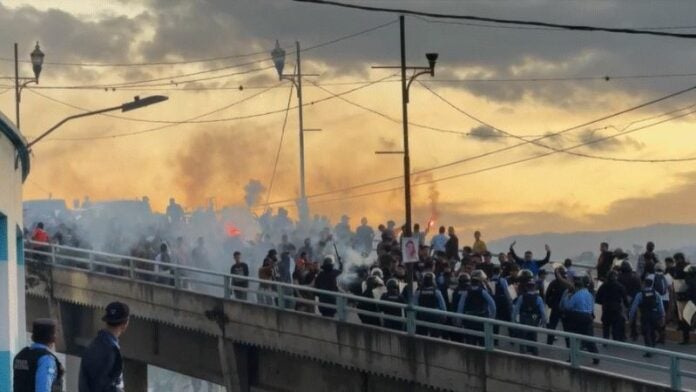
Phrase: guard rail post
(131, 265)
(410, 321)
(228, 287)
(281, 296)
(574, 352)
(674, 374)
(177, 278)
(341, 308)
(488, 336)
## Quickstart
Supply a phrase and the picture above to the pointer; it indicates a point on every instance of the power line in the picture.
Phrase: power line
(508, 148)
(194, 120)
(484, 123)
(501, 21)
(280, 146)
(486, 169)
(203, 60)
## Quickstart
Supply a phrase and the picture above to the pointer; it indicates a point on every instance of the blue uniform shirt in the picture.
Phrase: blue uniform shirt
(503, 286)
(46, 371)
(639, 299)
(540, 306)
(487, 297)
(438, 295)
(580, 301)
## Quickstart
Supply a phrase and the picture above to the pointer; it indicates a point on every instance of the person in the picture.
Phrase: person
(577, 305)
(554, 294)
(372, 285)
(417, 233)
(342, 230)
(649, 257)
(568, 264)
(528, 262)
(529, 310)
(164, 257)
(42, 240)
(652, 313)
(327, 280)
(175, 213)
(663, 285)
(683, 275)
(631, 282)
(476, 302)
(392, 295)
(479, 246)
(428, 296)
(501, 297)
(452, 245)
(199, 254)
(266, 273)
(304, 275)
(613, 299)
(36, 368)
(239, 268)
(101, 368)
(307, 250)
(604, 261)
(439, 241)
(364, 236)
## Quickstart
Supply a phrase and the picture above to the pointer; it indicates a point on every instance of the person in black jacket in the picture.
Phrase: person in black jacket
(554, 293)
(632, 284)
(327, 280)
(612, 296)
(101, 369)
(604, 262)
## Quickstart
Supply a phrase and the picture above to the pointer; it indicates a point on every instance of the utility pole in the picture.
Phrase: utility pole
(405, 86)
(18, 95)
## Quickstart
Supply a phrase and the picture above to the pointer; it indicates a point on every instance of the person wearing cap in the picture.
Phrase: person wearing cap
(476, 302)
(101, 369)
(529, 310)
(36, 368)
(577, 305)
(652, 312)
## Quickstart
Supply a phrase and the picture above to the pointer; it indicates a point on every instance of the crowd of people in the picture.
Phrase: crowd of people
(469, 280)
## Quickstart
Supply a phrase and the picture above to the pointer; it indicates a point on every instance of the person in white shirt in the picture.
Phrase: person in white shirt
(438, 242)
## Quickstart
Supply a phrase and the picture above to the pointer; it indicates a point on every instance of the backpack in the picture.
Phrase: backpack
(660, 284)
(649, 305)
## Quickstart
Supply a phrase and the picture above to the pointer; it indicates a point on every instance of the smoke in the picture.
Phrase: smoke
(252, 192)
(434, 196)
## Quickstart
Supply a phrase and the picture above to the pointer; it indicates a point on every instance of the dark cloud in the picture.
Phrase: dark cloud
(614, 144)
(484, 133)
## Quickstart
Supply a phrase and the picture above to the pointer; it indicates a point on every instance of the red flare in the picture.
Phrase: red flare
(232, 230)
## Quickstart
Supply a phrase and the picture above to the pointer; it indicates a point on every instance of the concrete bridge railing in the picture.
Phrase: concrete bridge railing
(206, 302)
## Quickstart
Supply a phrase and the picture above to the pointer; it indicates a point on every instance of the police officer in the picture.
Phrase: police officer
(529, 310)
(393, 295)
(652, 313)
(36, 368)
(630, 280)
(501, 297)
(476, 302)
(101, 369)
(577, 305)
(429, 296)
(554, 294)
(612, 296)
(463, 285)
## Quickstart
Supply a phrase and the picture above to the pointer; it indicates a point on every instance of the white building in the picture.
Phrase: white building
(14, 168)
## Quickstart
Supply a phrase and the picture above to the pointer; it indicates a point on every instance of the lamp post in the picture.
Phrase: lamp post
(37, 58)
(137, 103)
(278, 56)
(405, 86)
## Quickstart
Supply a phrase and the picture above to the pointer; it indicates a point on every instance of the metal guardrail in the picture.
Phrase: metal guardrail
(669, 369)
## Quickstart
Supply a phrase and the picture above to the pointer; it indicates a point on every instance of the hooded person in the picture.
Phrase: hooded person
(327, 280)
(554, 294)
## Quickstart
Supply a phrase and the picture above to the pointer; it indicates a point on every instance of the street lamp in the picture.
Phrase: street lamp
(278, 57)
(37, 58)
(405, 86)
(137, 103)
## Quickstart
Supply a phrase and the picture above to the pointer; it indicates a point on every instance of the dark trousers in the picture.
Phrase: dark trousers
(582, 324)
(503, 314)
(239, 294)
(650, 326)
(428, 331)
(554, 320)
(662, 327)
(532, 337)
(634, 329)
(614, 328)
(685, 330)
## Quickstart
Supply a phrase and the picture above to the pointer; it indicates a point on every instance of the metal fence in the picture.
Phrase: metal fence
(669, 368)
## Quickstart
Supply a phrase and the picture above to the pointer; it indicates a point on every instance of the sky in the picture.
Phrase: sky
(488, 76)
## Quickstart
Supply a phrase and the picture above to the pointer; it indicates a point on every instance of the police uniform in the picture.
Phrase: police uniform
(429, 297)
(36, 368)
(651, 313)
(476, 302)
(530, 309)
(578, 309)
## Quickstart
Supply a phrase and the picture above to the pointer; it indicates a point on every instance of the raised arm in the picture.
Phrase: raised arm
(548, 256)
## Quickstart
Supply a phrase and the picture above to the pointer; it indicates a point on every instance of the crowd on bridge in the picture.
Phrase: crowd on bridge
(641, 295)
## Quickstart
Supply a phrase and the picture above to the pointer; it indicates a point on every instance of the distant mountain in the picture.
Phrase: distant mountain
(668, 238)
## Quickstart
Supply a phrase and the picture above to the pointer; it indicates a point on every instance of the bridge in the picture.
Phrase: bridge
(189, 321)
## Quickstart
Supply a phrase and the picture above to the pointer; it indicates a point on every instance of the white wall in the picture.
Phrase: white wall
(12, 312)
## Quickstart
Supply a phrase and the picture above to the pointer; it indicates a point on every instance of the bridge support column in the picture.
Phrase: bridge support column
(134, 375)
